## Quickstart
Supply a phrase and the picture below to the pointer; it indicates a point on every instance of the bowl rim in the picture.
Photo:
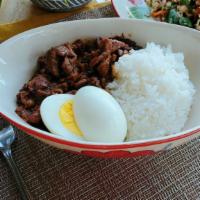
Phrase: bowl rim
(92, 145)
(98, 146)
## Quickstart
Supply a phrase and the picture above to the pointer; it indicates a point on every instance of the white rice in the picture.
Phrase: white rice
(154, 91)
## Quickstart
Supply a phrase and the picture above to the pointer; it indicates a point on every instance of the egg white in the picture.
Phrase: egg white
(49, 111)
(99, 116)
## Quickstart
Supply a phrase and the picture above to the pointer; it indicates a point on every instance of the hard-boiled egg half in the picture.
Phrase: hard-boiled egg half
(92, 115)
(57, 115)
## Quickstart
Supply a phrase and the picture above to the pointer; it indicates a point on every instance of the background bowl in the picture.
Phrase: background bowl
(60, 5)
(19, 54)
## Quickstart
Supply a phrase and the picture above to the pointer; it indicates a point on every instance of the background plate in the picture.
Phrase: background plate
(131, 9)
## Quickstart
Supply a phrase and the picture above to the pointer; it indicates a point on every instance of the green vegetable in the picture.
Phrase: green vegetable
(173, 17)
(185, 2)
(185, 21)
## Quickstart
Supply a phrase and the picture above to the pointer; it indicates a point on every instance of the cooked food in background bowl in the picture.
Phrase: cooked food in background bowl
(182, 12)
(156, 88)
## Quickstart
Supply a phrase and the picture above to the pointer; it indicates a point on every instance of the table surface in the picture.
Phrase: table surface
(14, 10)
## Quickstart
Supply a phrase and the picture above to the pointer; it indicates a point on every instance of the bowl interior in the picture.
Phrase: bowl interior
(18, 55)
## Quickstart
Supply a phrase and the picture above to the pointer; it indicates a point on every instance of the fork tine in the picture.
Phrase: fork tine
(7, 129)
(6, 132)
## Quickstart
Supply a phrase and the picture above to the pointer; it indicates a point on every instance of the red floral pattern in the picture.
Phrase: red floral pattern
(117, 154)
(136, 2)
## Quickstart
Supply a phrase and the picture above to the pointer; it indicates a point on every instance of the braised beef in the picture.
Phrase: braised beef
(68, 67)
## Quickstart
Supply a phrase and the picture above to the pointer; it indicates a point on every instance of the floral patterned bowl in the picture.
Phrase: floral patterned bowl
(137, 9)
(16, 67)
(60, 5)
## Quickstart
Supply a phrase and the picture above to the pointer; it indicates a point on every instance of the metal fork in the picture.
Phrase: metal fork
(7, 136)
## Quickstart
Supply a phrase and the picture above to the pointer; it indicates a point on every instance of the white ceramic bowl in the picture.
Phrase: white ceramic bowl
(18, 57)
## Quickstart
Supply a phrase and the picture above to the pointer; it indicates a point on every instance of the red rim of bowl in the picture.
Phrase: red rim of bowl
(96, 146)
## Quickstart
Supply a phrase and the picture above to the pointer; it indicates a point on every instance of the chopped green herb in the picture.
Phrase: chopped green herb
(185, 21)
(173, 17)
(185, 2)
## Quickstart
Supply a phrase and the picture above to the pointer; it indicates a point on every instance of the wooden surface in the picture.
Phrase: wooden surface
(14, 10)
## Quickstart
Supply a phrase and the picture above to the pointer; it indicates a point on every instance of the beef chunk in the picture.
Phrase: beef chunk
(68, 67)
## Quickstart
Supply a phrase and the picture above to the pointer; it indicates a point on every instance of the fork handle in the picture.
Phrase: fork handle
(15, 171)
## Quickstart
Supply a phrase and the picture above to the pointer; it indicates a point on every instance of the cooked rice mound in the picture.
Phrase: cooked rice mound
(154, 90)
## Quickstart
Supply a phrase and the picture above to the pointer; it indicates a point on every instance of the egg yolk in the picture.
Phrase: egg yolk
(67, 118)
